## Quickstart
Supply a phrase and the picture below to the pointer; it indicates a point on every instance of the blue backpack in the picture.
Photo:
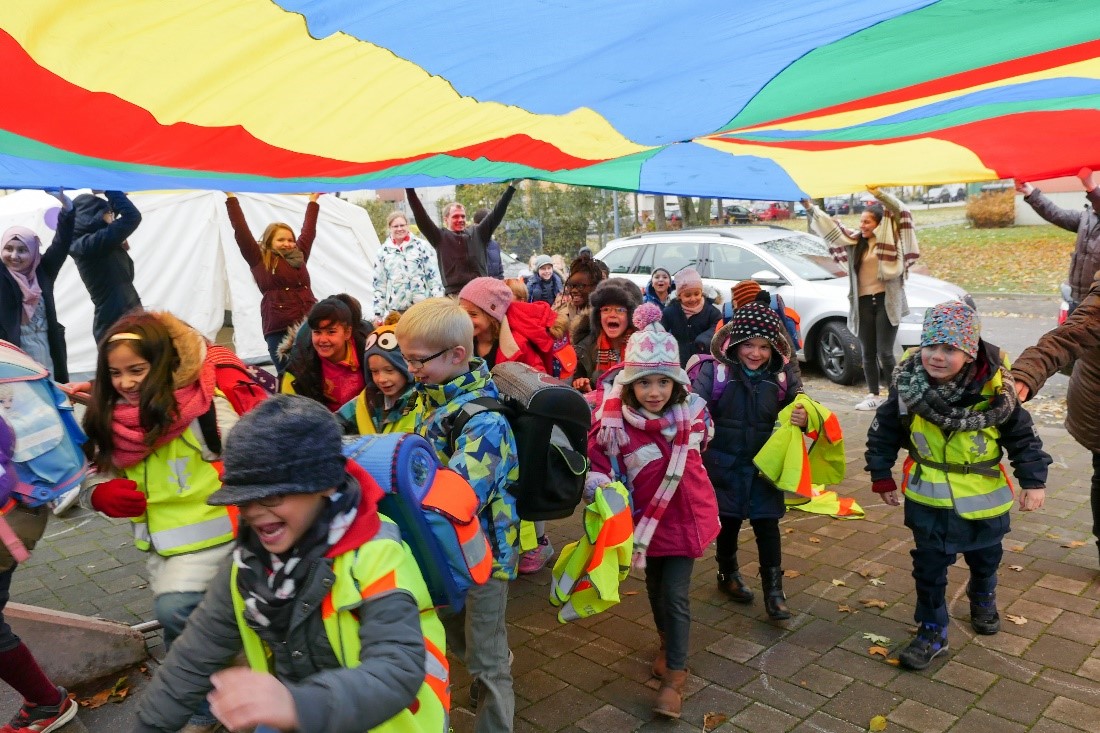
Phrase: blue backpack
(435, 509)
(48, 456)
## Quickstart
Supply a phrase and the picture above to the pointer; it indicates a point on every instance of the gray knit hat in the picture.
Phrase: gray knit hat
(287, 444)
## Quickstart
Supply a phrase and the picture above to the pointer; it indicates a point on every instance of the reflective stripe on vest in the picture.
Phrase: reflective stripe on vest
(377, 567)
(176, 481)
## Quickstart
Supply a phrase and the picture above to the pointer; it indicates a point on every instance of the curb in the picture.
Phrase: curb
(75, 649)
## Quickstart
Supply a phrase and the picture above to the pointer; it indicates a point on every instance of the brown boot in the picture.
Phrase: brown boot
(659, 665)
(670, 696)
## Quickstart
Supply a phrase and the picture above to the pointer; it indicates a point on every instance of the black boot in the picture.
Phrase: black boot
(984, 618)
(774, 600)
(730, 581)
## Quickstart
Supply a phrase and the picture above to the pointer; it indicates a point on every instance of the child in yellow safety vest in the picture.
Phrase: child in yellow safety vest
(953, 405)
(153, 419)
(389, 402)
(324, 598)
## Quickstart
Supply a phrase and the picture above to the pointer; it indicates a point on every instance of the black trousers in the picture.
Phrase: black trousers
(667, 582)
(930, 571)
(767, 542)
(876, 337)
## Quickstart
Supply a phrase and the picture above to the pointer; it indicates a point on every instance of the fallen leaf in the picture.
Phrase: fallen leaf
(878, 723)
(1074, 544)
(713, 720)
(880, 650)
(872, 603)
(815, 541)
(1018, 620)
(868, 573)
(788, 530)
(894, 662)
(1016, 548)
(844, 608)
(804, 683)
(116, 693)
(791, 573)
(1017, 568)
(838, 583)
(876, 582)
(876, 639)
(1053, 536)
(630, 593)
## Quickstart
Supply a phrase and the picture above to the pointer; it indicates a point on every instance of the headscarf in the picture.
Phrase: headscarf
(28, 283)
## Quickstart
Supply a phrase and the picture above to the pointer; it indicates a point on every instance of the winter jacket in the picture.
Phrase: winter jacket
(367, 413)
(287, 295)
(548, 291)
(744, 417)
(404, 276)
(305, 364)
(1085, 260)
(493, 262)
(1078, 338)
(100, 252)
(11, 297)
(533, 330)
(649, 295)
(690, 522)
(586, 345)
(945, 528)
(484, 453)
(461, 255)
(695, 333)
(326, 697)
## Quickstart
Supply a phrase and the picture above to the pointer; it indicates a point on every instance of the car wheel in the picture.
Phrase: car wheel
(838, 353)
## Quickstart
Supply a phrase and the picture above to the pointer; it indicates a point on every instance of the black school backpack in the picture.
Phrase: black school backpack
(550, 421)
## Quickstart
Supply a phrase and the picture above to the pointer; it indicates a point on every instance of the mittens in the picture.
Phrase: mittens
(118, 497)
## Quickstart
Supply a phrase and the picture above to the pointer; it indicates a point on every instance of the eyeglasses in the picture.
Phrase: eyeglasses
(578, 286)
(419, 363)
(613, 310)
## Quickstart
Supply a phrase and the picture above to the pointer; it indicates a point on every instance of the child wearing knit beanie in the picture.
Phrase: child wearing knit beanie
(691, 317)
(953, 404)
(754, 350)
(388, 402)
(649, 436)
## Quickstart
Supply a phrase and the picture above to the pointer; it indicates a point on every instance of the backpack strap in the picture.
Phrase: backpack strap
(208, 425)
(720, 382)
(455, 424)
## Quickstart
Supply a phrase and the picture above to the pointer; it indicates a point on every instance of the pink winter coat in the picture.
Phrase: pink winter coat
(690, 522)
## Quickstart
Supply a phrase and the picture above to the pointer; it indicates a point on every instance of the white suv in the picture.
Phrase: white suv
(794, 264)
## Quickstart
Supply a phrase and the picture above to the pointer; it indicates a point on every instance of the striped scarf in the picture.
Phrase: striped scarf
(895, 244)
(677, 420)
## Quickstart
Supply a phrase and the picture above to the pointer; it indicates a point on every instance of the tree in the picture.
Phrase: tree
(379, 211)
(692, 214)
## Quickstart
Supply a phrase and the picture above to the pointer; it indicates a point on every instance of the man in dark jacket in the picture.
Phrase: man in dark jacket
(461, 251)
(1085, 260)
(492, 250)
(101, 253)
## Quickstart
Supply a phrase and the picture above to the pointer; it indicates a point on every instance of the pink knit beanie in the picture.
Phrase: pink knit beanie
(488, 294)
(688, 278)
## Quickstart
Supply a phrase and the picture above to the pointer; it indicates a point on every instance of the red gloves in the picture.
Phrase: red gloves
(884, 485)
(118, 497)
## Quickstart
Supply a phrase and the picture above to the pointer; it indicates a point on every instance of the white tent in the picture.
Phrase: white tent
(187, 262)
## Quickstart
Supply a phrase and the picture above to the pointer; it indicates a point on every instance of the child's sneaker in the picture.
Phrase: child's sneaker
(925, 646)
(33, 718)
(534, 560)
(984, 618)
(870, 402)
(61, 504)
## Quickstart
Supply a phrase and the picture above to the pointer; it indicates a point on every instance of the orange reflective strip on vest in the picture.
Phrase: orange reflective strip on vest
(384, 584)
(437, 672)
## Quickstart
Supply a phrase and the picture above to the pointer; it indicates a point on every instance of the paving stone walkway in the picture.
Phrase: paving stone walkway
(813, 673)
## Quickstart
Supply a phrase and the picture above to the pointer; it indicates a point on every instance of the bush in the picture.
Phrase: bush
(992, 210)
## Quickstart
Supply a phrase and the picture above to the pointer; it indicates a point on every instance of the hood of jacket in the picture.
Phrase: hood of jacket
(190, 346)
(89, 210)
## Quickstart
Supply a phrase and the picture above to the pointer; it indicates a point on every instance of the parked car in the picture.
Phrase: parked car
(796, 265)
(945, 194)
(838, 205)
(773, 212)
(738, 214)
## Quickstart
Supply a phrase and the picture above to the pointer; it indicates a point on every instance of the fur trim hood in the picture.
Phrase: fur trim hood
(613, 291)
(190, 346)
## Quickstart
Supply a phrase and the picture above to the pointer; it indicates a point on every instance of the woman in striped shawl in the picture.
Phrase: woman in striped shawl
(878, 256)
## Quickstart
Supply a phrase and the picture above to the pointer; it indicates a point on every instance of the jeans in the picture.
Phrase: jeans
(479, 637)
(767, 543)
(876, 337)
(172, 610)
(667, 581)
(930, 571)
(273, 340)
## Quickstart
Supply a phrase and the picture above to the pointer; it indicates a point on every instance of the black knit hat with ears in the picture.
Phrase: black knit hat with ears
(614, 291)
(752, 320)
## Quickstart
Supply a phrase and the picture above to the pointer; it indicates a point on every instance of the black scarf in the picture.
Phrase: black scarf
(938, 403)
(269, 583)
(295, 257)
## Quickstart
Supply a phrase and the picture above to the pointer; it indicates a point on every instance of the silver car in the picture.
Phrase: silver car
(796, 265)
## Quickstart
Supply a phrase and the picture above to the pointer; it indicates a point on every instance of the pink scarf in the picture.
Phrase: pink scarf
(192, 401)
(28, 283)
(689, 312)
(613, 436)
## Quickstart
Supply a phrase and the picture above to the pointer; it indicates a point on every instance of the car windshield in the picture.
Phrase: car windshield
(808, 257)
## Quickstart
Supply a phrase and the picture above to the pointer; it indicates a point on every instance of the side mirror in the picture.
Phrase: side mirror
(767, 277)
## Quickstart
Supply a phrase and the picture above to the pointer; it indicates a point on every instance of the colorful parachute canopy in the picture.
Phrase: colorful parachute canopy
(750, 99)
